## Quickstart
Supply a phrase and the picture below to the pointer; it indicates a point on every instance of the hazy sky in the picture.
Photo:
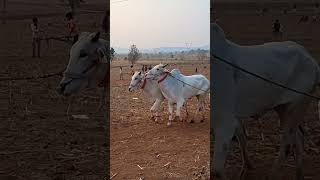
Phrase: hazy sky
(159, 23)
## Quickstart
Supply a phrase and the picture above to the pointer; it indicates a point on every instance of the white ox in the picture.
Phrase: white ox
(151, 89)
(177, 88)
(239, 95)
(87, 67)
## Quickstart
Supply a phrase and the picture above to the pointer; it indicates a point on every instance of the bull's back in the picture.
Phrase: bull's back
(286, 63)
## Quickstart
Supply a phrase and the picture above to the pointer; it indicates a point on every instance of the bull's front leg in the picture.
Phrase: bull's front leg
(178, 113)
(224, 131)
(155, 109)
(186, 108)
(170, 106)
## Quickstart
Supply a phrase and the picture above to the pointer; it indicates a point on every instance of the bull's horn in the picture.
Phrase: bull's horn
(165, 65)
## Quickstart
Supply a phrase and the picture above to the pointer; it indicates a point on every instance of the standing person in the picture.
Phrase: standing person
(132, 71)
(277, 29)
(142, 68)
(72, 27)
(150, 67)
(35, 37)
(145, 68)
(121, 75)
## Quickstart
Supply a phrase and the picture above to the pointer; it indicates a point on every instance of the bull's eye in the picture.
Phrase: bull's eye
(135, 78)
(157, 69)
(83, 54)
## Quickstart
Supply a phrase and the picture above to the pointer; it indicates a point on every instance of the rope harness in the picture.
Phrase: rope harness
(167, 73)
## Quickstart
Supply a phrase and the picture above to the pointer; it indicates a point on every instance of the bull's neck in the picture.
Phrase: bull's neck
(219, 47)
(164, 80)
(149, 85)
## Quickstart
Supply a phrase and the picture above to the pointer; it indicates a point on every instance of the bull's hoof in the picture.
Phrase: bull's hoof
(169, 124)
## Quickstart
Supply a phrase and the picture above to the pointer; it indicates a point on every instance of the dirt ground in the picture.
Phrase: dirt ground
(39, 141)
(162, 152)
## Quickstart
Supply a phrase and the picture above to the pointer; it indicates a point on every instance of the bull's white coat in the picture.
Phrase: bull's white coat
(87, 67)
(150, 89)
(240, 95)
(178, 88)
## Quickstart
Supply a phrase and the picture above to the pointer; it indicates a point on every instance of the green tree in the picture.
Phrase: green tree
(134, 54)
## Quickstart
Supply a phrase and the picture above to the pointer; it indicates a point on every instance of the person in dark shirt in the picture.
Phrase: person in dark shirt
(277, 29)
(72, 27)
(276, 26)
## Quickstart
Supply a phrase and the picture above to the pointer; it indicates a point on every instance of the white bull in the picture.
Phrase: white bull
(177, 88)
(88, 66)
(151, 89)
(240, 95)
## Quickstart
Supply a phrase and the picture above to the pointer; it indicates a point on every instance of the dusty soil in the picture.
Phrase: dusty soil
(38, 139)
(162, 152)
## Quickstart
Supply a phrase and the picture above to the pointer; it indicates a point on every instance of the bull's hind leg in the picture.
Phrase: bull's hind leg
(292, 116)
(178, 113)
(299, 153)
(186, 108)
(201, 107)
(242, 138)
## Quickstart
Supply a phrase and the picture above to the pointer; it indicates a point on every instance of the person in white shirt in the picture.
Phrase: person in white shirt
(35, 37)
(121, 75)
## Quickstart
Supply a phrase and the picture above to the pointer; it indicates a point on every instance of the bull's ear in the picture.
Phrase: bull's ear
(95, 37)
(102, 55)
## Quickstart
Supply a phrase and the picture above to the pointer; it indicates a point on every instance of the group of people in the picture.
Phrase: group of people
(144, 69)
(72, 31)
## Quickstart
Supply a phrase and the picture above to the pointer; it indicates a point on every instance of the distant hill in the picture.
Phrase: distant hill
(120, 50)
